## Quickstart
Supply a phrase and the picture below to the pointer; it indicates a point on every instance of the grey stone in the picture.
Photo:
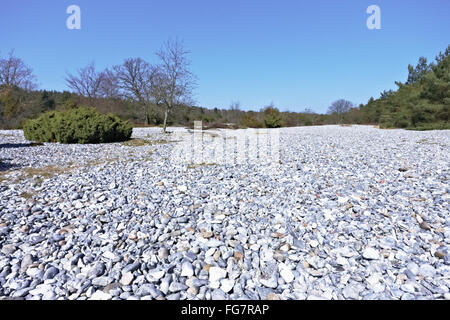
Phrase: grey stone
(50, 273)
(8, 249)
(218, 294)
(27, 260)
(371, 254)
(177, 286)
(187, 269)
(427, 270)
(102, 281)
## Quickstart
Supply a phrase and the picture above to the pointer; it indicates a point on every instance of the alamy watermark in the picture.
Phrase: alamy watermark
(374, 20)
(73, 22)
(228, 147)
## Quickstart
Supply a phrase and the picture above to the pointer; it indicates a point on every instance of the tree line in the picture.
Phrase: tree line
(422, 102)
(160, 94)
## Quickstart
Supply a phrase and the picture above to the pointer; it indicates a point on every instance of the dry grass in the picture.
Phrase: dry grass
(45, 172)
(212, 134)
(37, 174)
(26, 195)
(194, 166)
(42, 173)
(426, 141)
(142, 142)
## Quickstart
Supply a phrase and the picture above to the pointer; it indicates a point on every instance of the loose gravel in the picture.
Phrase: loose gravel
(344, 213)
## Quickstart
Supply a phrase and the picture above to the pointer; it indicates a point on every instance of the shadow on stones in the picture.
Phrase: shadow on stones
(5, 166)
(18, 145)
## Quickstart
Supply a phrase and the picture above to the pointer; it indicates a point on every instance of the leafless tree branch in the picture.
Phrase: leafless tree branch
(14, 72)
(87, 82)
(175, 80)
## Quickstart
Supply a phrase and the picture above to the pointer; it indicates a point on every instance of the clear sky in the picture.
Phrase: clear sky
(293, 53)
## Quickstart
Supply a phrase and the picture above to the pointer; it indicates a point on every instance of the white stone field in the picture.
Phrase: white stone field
(318, 213)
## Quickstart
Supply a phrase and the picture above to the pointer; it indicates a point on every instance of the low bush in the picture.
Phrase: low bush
(249, 120)
(80, 125)
(272, 118)
(431, 126)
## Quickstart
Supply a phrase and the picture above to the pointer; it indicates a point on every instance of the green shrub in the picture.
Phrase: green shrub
(272, 118)
(431, 126)
(248, 120)
(401, 123)
(80, 125)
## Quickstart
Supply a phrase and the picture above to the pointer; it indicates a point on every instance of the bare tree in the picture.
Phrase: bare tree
(175, 82)
(138, 80)
(235, 106)
(234, 112)
(15, 73)
(110, 86)
(340, 107)
(87, 82)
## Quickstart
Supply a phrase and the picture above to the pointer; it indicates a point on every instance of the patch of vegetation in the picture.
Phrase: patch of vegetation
(80, 125)
(37, 174)
(272, 117)
(26, 195)
(155, 142)
(143, 142)
(44, 172)
(194, 166)
(136, 143)
(426, 141)
(431, 126)
(250, 120)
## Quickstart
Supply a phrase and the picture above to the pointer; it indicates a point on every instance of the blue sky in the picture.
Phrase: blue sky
(293, 53)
